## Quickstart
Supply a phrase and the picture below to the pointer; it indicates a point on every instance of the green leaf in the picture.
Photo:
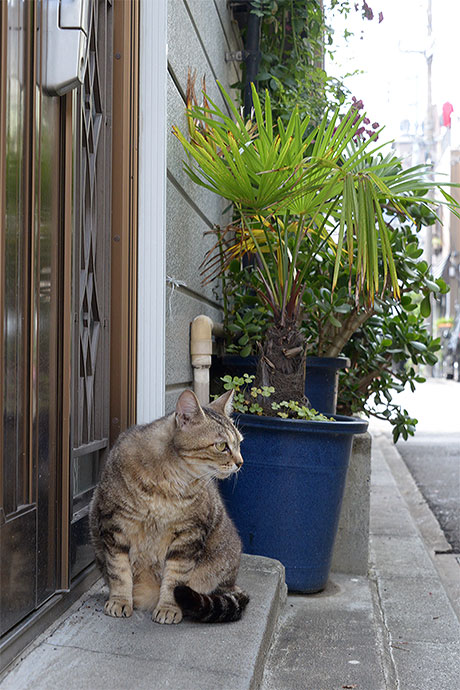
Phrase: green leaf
(233, 327)
(343, 308)
(253, 328)
(434, 287)
(420, 347)
(425, 307)
(335, 322)
(443, 287)
(422, 266)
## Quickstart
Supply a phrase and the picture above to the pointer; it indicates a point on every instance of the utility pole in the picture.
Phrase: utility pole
(429, 136)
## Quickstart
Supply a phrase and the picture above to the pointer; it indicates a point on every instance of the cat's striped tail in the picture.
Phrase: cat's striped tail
(217, 607)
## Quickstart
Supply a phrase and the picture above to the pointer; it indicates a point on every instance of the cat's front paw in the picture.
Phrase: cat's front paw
(167, 614)
(118, 608)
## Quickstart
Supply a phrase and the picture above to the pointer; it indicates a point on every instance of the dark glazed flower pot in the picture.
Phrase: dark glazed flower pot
(234, 365)
(322, 382)
(286, 500)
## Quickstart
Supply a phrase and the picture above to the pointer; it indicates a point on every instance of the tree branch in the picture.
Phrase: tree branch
(351, 325)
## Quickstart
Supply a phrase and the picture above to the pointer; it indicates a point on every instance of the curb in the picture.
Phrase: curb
(417, 625)
(439, 549)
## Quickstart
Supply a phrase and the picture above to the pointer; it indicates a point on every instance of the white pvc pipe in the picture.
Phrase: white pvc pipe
(201, 332)
(201, 351)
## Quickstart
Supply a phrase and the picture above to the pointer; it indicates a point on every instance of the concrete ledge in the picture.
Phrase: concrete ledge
(351, 548)
(88, 649)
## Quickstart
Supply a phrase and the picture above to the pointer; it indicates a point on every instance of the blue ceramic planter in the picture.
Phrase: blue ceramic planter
(233, 365)
(286, 499)
(322, 382)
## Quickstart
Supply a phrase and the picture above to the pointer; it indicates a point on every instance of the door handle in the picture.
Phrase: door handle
(66, 27)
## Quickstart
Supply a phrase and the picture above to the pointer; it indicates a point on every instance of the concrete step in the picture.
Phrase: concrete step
(90, 650)
(327, 641)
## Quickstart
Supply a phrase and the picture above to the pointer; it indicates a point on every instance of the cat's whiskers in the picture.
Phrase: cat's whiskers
(200, 478)
(207, 477)
(209, 481)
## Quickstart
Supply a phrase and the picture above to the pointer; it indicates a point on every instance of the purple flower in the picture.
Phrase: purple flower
(380, 17)
(375, 125)
(367, 11)
(360, 131)
(366, 121)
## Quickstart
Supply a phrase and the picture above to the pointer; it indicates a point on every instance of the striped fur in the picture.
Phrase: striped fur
(157, 519)
(217, 607)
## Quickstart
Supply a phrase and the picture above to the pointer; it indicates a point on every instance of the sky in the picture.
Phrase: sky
(392, 57)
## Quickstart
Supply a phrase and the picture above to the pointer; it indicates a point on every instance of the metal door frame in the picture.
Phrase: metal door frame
(124, 290)
(34, 291)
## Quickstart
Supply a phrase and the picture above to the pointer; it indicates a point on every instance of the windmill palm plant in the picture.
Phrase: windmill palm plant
(338, 314)
(287, 183)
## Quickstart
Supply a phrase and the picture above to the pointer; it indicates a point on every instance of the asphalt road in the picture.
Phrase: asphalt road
(434, 462)
(433, 454)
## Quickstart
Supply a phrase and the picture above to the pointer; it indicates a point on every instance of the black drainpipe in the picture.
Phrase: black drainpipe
(252, 57)
(251, 54)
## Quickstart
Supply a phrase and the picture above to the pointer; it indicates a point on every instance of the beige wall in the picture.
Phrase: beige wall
(200, 32)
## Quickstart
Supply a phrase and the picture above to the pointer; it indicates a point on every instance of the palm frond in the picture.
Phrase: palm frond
(287, 182)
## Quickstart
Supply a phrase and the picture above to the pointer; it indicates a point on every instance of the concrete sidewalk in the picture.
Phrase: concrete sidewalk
(394, 630)
(397, 629)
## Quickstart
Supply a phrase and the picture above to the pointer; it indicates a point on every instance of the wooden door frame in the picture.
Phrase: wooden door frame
(125, 133)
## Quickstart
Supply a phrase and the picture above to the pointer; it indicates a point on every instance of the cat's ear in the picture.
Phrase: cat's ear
(224, 404)
(188, 409)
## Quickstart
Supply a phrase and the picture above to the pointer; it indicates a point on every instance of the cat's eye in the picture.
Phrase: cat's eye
(221, 446)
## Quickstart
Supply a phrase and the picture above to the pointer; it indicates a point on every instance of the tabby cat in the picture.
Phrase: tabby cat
(162, 537)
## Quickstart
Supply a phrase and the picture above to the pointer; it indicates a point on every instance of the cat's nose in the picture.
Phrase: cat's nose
(239, 462)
